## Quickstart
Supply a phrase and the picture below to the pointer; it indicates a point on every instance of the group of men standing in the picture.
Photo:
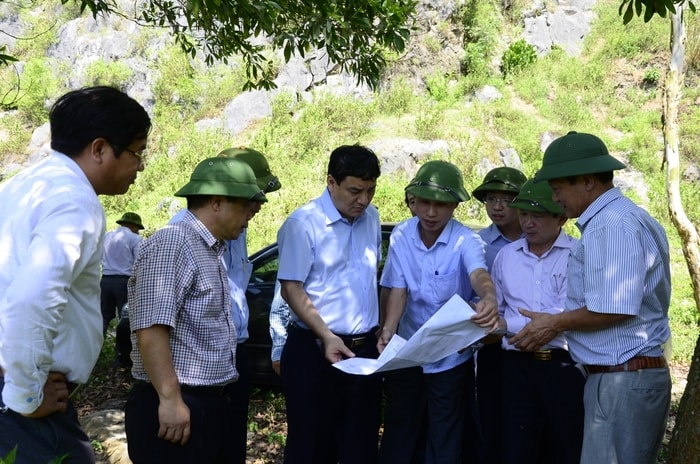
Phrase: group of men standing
(576, 326)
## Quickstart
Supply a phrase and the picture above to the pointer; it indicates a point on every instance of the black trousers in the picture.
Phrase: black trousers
(240, 397)
(211, 424)
(544, 401)
(332, 417)
(489, 368)
(46, 439)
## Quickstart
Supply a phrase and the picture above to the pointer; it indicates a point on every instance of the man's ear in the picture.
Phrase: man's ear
(98, 149)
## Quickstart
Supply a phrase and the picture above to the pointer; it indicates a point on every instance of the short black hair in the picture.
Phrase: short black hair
(353, 161)
(81, 116)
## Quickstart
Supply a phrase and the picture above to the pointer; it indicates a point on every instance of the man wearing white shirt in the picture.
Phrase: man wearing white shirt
(51, 229)
(120, 247)
(542, 390)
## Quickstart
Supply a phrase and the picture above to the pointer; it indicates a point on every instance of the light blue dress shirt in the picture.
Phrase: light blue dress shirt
(432, 275)
(337, 262)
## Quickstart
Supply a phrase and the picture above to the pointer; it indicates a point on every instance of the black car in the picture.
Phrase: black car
(259, 294)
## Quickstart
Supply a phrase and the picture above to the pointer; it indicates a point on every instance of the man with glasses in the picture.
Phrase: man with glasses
(182, 407)
(239, 270)
(498, 189)
(51, 230)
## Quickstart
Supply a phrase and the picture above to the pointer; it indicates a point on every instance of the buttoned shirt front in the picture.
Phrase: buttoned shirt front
(336, 260)
(536, 283)
(620, 266)
(238, 271)
(432, 275)
(120, 247)
(179, 281)
(51, 229)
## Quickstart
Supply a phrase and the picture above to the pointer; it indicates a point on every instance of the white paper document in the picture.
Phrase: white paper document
(446, 332)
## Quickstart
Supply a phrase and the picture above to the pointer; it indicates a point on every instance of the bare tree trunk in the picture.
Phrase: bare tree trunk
(685, 441)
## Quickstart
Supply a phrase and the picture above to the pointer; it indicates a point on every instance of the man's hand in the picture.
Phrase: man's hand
(335, 350)
(174, 419)
(486, 313)
(537, 333)
(383, 338)
(276, 368)
(55, 396)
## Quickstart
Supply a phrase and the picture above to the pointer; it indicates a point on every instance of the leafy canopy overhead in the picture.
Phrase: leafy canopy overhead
(628, 8)
(354, 33)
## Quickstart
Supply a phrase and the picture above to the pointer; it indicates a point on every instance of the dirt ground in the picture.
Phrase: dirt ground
(267, 424)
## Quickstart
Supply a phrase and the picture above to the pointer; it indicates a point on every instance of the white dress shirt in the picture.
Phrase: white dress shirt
(51, 229)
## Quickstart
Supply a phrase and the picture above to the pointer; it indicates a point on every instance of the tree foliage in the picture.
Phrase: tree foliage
(630, 8)
(354, 33)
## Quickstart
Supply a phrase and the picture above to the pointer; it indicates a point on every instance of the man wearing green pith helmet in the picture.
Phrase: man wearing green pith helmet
(432, 257)
(180, 408)
(542, 391)
(616, 313)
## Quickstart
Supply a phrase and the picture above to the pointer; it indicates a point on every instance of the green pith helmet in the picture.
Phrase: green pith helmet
(503, 179)
(228, 177)
(256, 160)
(576, 154)
(438, 181)
(130, 218)
(536, 196)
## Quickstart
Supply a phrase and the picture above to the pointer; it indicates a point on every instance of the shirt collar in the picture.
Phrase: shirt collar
(211, 241)
(332, 213)
(598, 204)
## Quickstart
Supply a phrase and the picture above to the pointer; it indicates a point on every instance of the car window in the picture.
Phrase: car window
(265, 271)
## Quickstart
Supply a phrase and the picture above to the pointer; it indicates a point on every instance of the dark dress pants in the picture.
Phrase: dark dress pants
(211, 425)
(332, 417)
(489, 368)
(405, 419)
(544, 400)
(45, 439)
(240, 395)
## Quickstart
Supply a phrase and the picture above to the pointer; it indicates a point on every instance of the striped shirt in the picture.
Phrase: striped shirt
(620, 266)
(179, 281)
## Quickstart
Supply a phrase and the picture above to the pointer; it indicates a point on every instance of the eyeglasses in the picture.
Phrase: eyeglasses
(140, 155)
(493, 201)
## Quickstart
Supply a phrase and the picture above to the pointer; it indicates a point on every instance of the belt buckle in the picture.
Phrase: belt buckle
(357, 342)
(543, 355)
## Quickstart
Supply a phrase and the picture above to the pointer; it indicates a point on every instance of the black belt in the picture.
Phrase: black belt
(114, 276)
(203, 390)
(556, 354)
(352, 341)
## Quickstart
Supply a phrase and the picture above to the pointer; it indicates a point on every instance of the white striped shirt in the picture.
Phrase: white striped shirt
(620, 266)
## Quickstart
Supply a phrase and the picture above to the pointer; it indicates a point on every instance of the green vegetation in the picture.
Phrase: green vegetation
(612, 90)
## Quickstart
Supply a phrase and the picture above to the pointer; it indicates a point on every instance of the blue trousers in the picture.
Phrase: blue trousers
(332, 417)
(43, 440)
